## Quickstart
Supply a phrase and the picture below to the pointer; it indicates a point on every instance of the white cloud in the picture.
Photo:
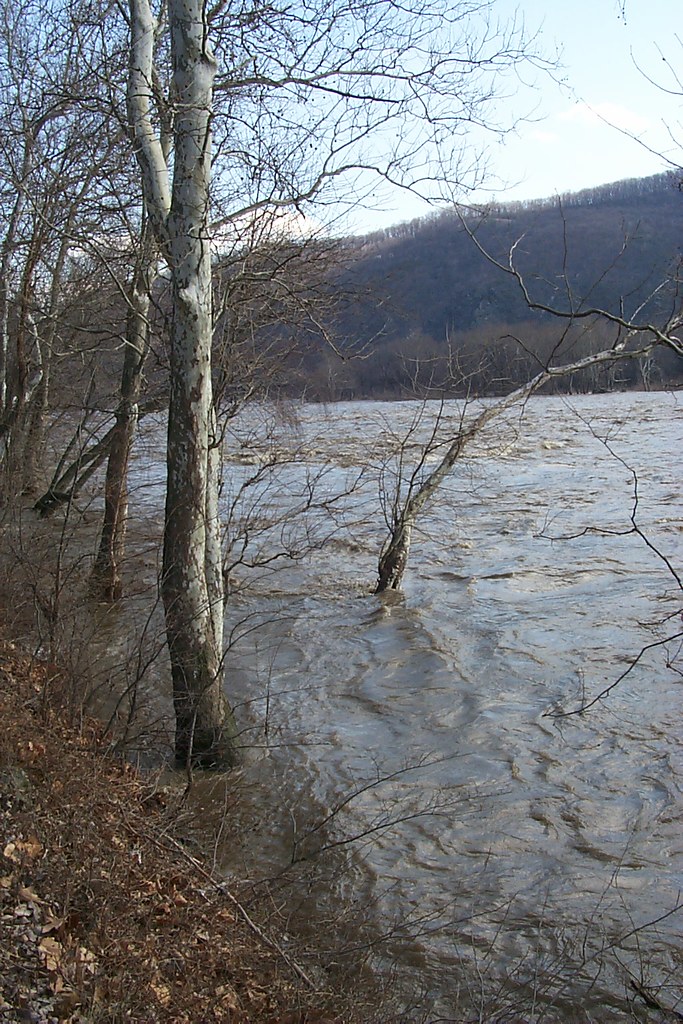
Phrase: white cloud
(613, 114)
(267, 225)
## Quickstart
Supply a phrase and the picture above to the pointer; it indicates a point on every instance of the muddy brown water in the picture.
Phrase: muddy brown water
(509, 853)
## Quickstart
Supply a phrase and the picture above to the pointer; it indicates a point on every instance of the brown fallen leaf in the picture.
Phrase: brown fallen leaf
(52, 924)
(29, 895)
(18, 850)
(52, 952)
(86, 958)
(10, 852)
(228, 997)
(161, 991)
(30, 751)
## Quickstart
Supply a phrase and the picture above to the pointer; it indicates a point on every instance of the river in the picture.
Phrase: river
(518, 856)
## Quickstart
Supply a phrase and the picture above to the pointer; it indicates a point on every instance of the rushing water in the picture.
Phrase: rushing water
(520, 854)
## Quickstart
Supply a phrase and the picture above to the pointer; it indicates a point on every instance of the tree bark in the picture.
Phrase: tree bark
(394, 557)
(34, 445)
(192, 588)
(6, 257)
(192, 582)
(106, 578)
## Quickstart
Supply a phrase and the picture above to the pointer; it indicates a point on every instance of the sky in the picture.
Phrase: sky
(579, 134)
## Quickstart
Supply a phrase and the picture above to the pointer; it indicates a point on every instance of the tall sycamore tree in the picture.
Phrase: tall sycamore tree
(177, 200)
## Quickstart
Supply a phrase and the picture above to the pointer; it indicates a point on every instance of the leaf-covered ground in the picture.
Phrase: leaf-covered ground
(105, 915)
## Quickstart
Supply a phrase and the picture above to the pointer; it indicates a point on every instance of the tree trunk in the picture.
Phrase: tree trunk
(45, 337)
(106, 576)
(35, 431)
(26, 377)
(106, 580)
(192, 587)
(6, 259)
(394, 557)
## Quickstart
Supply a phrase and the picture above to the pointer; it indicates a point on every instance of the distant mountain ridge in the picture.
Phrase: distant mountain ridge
(611, 243)
(424, 288)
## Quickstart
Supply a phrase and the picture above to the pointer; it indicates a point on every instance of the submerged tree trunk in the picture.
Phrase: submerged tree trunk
(192, 582)
(394, 557)
(106, 576)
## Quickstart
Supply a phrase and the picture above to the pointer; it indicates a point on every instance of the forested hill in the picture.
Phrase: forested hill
(424, 286)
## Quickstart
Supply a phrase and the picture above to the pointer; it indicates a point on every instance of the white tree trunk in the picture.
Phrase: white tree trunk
(192, 587)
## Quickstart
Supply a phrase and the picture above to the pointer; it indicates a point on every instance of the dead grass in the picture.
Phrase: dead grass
(104, 913)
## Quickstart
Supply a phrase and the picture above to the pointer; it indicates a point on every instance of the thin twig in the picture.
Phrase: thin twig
(222, 888)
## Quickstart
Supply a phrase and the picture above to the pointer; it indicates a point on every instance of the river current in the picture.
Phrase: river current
(517, 856)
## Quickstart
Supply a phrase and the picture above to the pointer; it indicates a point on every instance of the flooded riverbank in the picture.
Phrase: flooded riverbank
(510, 853)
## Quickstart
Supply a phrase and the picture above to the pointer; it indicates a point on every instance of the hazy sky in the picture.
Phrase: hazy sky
(571, 143)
